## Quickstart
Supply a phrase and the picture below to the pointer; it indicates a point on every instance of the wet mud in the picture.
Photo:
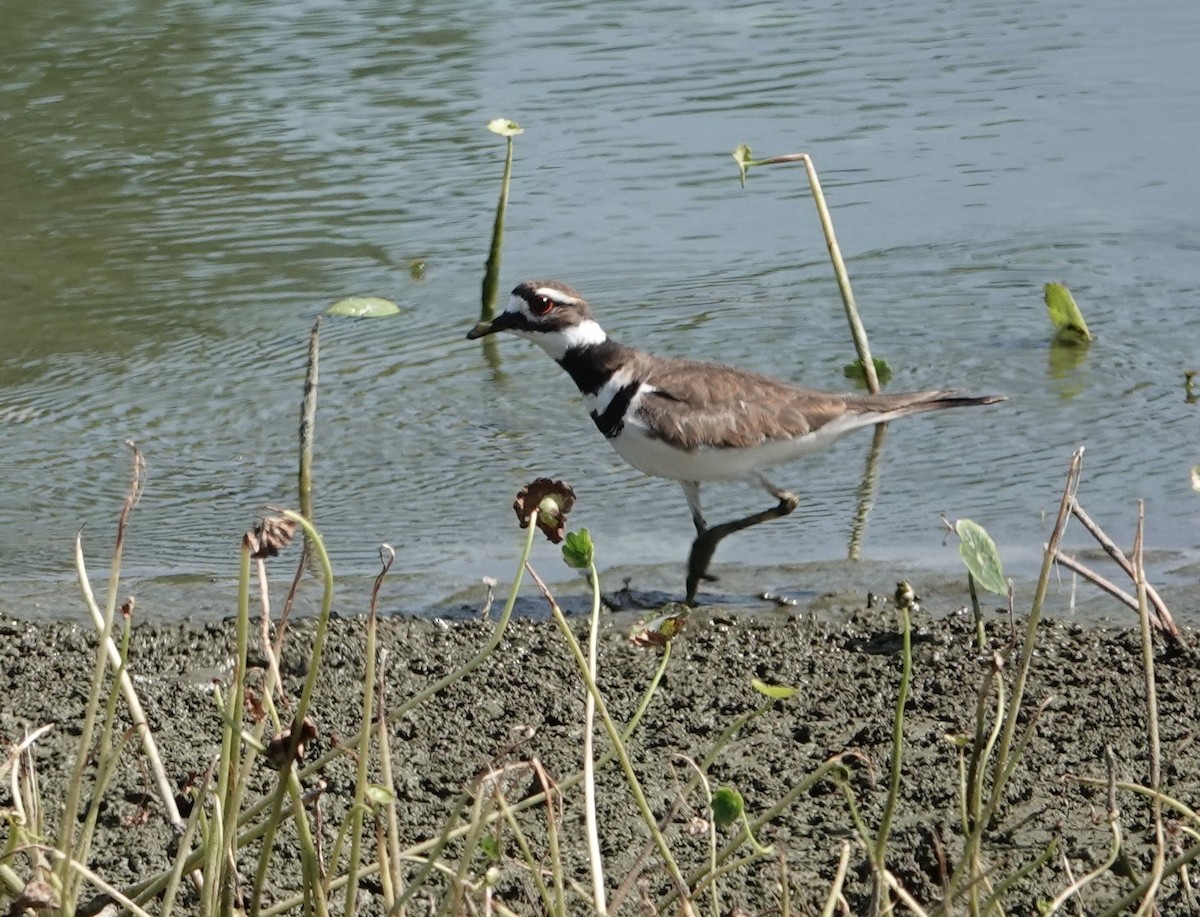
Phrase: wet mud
(526, 703)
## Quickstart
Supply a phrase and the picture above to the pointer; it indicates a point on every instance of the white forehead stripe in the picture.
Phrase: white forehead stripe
(558, 296)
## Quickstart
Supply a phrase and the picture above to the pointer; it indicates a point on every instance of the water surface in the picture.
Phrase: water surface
(186, 186)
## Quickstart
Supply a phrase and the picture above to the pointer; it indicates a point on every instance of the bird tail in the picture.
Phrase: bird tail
(889, 407)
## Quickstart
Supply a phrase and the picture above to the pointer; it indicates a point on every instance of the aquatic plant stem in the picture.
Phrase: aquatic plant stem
(491, 274)
(857, 331)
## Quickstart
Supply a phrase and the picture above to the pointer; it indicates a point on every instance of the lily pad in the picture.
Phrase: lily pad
(363, 307)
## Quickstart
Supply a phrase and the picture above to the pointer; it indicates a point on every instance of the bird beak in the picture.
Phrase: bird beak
(502, 322)
(482, 329)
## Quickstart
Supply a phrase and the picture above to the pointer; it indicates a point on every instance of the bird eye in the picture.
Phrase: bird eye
(540, 305)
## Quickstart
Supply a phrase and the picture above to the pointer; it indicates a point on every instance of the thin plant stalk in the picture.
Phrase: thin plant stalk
(614, 735)
(230, 762)
(358, 807)
(857, 331)
(839, 879)
(1035, 616)
(589, 764)
(889, 810)
(289, 781)
(491, 273)
(250, 831)
(392, 876)
(308, 420)
(1160, 854)
(185, 843)
(66, 840)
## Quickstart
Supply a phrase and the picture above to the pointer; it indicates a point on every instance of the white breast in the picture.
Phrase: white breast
(655, 457)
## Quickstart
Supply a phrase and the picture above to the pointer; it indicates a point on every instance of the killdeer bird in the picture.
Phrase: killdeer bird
(694, 422)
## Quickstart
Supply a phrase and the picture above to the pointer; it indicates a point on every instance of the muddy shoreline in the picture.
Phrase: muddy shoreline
(526, 702)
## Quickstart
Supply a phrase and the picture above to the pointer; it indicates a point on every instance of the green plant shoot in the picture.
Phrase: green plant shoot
(578, 550)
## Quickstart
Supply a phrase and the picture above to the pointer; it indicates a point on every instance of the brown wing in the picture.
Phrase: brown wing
(698, 403)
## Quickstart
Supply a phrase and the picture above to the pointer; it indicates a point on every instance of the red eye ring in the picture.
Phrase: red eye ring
(541, 305)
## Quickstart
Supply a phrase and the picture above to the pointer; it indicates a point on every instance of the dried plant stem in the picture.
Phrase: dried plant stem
(839, 880)
(308, 420)
(1162, 616)
(1035, 616)
(1160, 847)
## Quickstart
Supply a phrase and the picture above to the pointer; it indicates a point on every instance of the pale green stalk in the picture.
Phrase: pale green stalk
(889, 809)
(66, 847)
(185, 844)
(358, 807)
(589, 766)
(622, 754)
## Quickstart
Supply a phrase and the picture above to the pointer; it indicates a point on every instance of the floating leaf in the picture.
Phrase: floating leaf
(505, 127)
(416, 269)
(1196, 479)
(980, 555)
(1068, 320)
(727, 806)
(741, 155)
(777, 692)
(858, 373)
(578, 550)
(363, 307)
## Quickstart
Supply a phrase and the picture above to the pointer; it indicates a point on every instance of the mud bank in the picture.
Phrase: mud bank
(526, 702)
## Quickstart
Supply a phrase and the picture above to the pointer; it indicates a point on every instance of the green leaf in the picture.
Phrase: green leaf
(379, 795)
(727, 806)
(504, 127)
(741, 155)
(980, 555)
(490, 847)
(1068, 321)
(1196, 479)
(363, 307)
(858, 373)
(578, 550)
(416, 269)
(778, 692)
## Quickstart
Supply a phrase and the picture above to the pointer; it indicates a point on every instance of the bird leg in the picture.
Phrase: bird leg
(707, 538)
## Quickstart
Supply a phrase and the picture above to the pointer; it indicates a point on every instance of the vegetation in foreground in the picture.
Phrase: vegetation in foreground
(502, 848)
